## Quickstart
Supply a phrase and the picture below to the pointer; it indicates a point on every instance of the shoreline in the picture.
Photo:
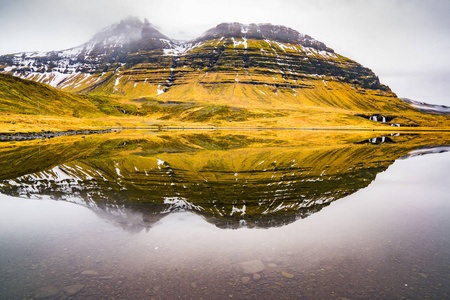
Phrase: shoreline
(25, 136)
(395, 129)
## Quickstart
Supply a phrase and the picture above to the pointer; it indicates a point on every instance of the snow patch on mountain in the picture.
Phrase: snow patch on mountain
(180, 203)
(236, 43)
(159, 91)
(432, 108)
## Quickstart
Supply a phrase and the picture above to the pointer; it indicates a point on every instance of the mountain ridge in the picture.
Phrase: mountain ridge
(428, 107)
(238, 70)
(278, 55)
(262, 31)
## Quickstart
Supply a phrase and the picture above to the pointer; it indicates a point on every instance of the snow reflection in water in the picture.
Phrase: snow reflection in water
(388, 240)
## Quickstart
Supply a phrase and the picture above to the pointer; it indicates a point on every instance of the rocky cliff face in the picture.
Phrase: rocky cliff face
(257, 64)
(262, 32)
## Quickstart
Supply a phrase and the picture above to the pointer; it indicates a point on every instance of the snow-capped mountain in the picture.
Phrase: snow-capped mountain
(233, 63)
(430, 108)
(271, 32)
(127, 31)
(60, 68)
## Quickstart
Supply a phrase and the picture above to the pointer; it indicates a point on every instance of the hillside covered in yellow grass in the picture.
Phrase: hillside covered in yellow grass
(28, 106)
(234, 75)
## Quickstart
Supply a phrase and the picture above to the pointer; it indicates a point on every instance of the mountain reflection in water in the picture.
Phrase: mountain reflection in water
(232, 180)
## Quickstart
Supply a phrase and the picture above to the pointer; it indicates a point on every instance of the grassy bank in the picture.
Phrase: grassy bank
(27, 106)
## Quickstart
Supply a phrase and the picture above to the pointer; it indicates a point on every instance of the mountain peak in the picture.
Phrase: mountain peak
(232, 63)
(149, 31)
(127, 30)
(262, 31)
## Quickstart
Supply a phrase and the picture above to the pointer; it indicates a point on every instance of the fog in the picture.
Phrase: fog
(405, 42)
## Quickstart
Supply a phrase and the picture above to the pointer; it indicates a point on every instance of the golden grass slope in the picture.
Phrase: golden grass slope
(28, 97)
(27, 106)
(260, 74)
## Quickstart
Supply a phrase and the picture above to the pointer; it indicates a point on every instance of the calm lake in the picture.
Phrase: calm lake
(226, 215)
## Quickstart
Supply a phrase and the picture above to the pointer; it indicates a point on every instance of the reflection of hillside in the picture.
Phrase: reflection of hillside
(231, 181)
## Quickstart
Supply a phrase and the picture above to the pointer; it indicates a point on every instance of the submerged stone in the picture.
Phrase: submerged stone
(46, 292)
(287, 275)
(250, 267)
(245, 280)
(72, 290)
(89, 273)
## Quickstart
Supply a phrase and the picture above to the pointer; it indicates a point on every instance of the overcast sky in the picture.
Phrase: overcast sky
(405, 42)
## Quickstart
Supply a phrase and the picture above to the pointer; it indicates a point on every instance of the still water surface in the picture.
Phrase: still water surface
(226, 215)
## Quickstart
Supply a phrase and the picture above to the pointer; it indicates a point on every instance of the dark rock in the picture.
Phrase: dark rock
(260, 32)
(46, 134)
